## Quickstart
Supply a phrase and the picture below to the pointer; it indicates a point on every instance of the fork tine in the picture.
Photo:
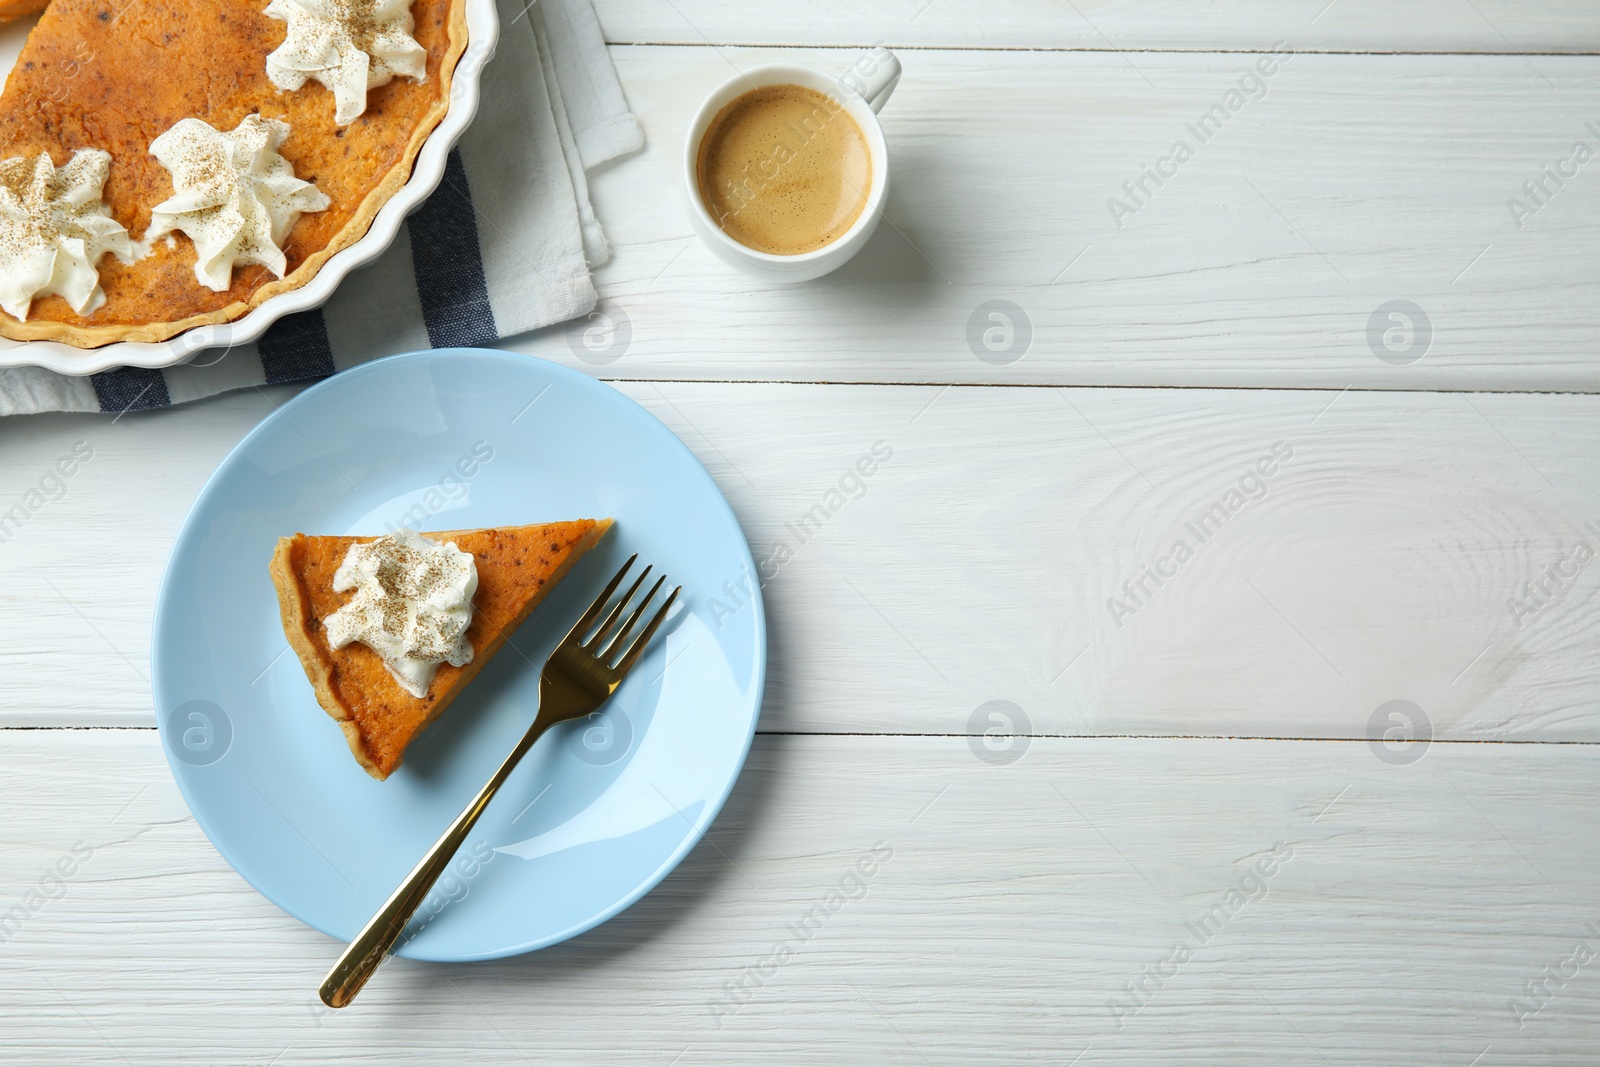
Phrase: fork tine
(611, 618)
(622, 634)
(644, 639)
(599, 602)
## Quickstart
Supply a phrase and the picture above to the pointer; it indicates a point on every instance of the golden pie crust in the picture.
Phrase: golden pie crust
(15, 9)
(115, 75)
(517, 566)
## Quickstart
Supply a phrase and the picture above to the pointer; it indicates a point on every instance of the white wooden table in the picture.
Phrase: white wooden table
(1195, 854)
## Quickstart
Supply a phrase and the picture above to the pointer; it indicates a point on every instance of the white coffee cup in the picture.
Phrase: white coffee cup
(862, 92)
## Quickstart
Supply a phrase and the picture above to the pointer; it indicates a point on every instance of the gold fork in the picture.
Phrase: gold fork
(577, 679)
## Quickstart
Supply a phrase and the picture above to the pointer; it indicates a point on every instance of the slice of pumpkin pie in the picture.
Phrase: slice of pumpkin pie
(391, 629)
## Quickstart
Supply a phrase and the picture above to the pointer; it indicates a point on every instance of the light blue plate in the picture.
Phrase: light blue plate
(600, 810)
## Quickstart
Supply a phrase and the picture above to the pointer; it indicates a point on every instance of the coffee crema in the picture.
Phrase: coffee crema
(784, 169)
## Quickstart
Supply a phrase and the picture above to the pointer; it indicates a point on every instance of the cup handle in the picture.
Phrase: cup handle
(873, 76)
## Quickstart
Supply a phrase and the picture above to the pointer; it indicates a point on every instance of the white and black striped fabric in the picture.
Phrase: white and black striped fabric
(503, 246)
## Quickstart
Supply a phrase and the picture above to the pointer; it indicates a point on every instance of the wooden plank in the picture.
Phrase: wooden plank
(1343, 550)
(1313, 25)
(79, 575)
(1383, 914)
(1271, 257)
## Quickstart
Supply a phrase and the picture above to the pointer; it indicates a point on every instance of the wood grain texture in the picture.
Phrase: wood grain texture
(1419, 901)
(1354, 181)
(1406, 910)
(1343, 550)
(1347, 25)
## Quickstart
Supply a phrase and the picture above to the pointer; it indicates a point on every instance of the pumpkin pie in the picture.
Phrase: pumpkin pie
(217, 76)
(516, 566)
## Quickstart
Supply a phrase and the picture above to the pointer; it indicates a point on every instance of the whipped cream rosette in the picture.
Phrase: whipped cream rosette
(53, 230)
(235, 196)
(349, 46)
(412, 606)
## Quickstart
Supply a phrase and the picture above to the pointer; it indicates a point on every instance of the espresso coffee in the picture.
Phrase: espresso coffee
(784, 169)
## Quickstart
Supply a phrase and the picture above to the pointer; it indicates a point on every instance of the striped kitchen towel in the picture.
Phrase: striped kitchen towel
(502, 247)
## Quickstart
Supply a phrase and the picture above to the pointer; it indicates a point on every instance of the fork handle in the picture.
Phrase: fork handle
(363, 955)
